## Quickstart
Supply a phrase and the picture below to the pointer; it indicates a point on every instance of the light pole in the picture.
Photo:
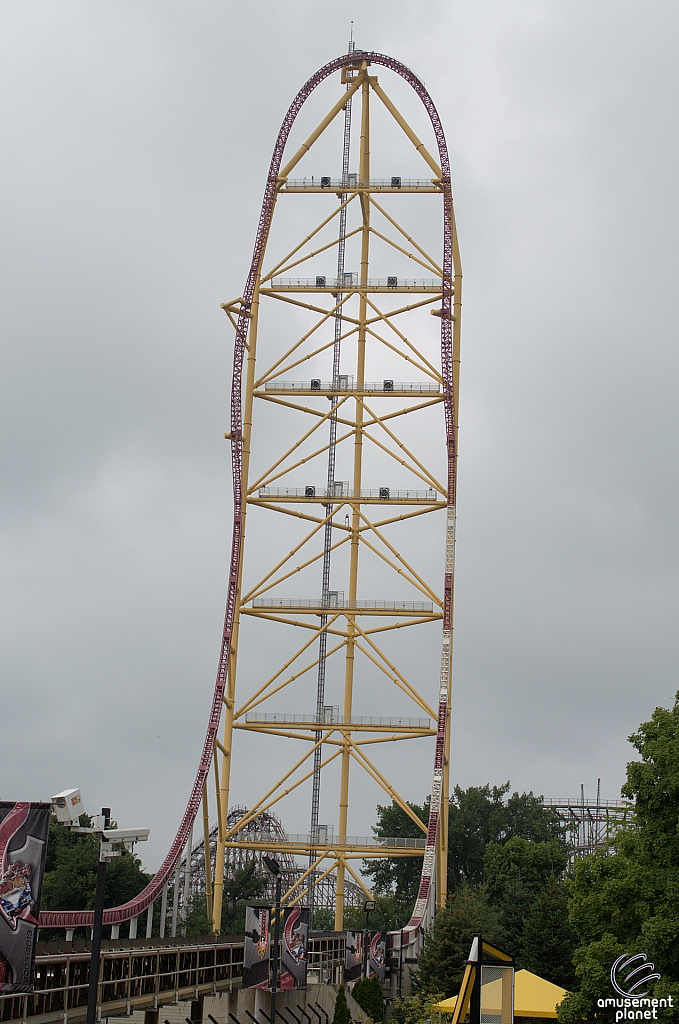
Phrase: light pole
(275, 869)
(68, 808)
(399, 925)
(368, 906)
(97, 925)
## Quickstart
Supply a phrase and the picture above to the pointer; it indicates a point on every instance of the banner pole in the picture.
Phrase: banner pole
(276, 939)
(93, 989)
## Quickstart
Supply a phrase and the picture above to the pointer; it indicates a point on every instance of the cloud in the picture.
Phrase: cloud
(137, 142)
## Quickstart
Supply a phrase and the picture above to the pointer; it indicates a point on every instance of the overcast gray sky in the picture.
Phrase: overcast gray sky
(137, 137)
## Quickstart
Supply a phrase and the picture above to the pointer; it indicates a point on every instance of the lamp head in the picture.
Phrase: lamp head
(273, 865)
(369, 906)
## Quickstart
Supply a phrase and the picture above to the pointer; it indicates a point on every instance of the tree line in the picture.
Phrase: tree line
(509, 877)
(507, 855)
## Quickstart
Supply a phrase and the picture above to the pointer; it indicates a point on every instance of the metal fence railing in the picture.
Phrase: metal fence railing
(381, 493)
(312, 604)
(332, 718)
(138, 974)
(346, 383)
(395, 182)
(321, 282)
(305, 839)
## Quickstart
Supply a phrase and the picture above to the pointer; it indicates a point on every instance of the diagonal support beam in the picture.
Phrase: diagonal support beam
(426, 589)
(379, 420)
(260, 807)
(281, 686)
(368, 766)
(395, 245)
(262, 481)
(357, 878)
(407, 237)
(268, 374)
(316, 252)
(317, 632)
(417, 697)
(317, 132)
(402, 123)
(261, 804)
(335, 213)
(386, 318)
(298, 568)
(414, 582)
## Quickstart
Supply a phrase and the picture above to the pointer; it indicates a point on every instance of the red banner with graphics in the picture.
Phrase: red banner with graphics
(256, 949)
(23, 845)
(295, 943)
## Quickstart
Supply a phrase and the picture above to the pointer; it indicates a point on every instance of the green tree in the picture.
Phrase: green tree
(527, 817)
(324, 919)
(341, 1014)
(477, 816)
(240, 888)
(630, 900)
(197, 922)
(368, 994)
(611, 894)
(513, 907)
(520, 859)
(446, 945)
(388, 910)
(549, 940)
(592, 968)
(516, 874)
(400, 876)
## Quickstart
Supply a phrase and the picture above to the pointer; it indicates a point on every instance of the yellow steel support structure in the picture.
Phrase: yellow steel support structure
(376, 423)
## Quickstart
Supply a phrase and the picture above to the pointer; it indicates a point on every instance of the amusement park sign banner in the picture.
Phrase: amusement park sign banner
(256, 951)
(378, 955)
(23, 844)
(295, 942)
(353, 964)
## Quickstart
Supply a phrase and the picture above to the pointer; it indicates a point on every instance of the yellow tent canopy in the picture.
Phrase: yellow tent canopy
(533, 996)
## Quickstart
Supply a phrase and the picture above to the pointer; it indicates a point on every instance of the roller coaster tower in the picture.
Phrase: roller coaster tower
(332, 471)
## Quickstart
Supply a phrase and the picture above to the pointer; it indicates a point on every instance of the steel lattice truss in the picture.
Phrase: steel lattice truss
(388, 372)
(393, 407)
(592, 825)
(266, 825)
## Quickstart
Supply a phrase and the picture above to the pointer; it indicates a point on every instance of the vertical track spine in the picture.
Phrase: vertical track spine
(327, 539)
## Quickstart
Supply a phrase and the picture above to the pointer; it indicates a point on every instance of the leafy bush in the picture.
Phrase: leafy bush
(341, 1015)
(415, 1010)
(368, 994)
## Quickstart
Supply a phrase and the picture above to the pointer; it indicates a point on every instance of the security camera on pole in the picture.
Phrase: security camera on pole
(68, 807)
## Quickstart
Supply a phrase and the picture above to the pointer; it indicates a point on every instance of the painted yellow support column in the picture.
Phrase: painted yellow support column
(364, 179)
(206, 853)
